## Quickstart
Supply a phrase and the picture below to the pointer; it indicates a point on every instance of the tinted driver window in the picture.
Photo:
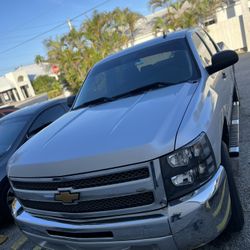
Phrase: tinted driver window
(202, 50)
(208, 42)
(45, 118)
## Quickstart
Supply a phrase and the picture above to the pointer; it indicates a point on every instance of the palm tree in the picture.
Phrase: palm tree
(155, 4)
(104, 33)
(39, 59)
(119, 18)
(131, 20)
(185, 13)
(160, 25)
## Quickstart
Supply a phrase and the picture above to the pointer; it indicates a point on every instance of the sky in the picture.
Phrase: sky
(21, 20)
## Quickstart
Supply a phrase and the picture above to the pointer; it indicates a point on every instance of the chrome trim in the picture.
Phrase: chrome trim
(236, 103)
(154, 184)
(202, 216)
(234, 149)
(193, 220)
(236, 122)
(81, 176)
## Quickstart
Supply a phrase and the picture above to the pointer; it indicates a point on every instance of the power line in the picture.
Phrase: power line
(17, 37)
(27, 29)
(54, 28)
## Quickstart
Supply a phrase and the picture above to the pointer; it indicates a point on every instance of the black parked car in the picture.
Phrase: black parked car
(7, 110)
(15, 129)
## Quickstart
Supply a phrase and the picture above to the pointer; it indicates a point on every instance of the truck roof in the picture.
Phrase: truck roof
(152, 42)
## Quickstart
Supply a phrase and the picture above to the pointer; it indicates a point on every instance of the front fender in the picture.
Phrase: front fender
(205, 113)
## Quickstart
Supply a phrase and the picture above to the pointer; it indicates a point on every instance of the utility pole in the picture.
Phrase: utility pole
(70, 24)
(246, 21)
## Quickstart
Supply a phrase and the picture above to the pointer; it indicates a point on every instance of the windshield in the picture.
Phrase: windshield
(169, 62)
(9, 131)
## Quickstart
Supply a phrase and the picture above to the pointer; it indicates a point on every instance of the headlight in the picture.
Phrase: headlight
(188, 168)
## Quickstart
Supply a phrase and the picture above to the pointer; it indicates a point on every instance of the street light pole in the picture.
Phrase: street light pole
(246, 21)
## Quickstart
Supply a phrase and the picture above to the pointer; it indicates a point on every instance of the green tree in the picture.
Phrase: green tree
(76, 52)
(184, 13)
(155, 4)
(47, 84)
(131, 18)
(39, 59)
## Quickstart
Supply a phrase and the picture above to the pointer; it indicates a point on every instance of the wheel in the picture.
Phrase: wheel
(236, 222)
(6, 199)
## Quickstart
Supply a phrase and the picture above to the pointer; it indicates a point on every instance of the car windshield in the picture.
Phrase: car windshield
(9, 131)
(168, 62)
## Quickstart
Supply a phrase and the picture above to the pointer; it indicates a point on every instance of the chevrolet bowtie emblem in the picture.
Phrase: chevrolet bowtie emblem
(67, 197)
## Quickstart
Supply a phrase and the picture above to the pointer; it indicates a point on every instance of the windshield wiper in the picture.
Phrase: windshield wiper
(151, 86)
(94, 102)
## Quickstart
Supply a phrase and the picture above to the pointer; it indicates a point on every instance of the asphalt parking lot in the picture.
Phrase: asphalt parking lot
(12, 238)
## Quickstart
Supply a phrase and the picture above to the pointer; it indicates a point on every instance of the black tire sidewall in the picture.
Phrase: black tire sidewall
(5, 213)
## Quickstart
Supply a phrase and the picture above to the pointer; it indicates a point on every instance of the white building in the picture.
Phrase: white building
(35, 70)
(14, 87)
(226, 25)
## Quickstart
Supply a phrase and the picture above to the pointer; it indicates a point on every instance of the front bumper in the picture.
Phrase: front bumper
(192, 221)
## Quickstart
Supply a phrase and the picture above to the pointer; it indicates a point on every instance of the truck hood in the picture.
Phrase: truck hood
(126, 131)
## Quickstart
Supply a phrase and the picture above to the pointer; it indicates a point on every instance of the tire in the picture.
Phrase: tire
(236, 221)
(5, 213)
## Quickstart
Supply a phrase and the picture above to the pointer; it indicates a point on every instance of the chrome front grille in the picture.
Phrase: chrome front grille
(112, 192)
(97, 181)
(123, 202)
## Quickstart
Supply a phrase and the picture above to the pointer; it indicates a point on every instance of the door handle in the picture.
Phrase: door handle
(224, 75)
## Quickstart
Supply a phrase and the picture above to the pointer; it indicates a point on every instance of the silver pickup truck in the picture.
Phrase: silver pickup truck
(142, 161)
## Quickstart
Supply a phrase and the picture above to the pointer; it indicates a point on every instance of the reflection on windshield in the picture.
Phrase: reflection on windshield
(166, 62)
(9, 131)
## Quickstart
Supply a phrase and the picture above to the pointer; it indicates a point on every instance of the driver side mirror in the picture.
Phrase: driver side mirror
(222, 60)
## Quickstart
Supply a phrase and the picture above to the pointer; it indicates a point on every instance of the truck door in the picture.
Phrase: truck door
(222, 81)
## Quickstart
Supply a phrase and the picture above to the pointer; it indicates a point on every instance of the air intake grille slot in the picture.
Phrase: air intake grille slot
(116, 203)
(82, 235)
(131, 175)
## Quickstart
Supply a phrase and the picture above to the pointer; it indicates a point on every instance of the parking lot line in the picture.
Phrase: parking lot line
(19, 243)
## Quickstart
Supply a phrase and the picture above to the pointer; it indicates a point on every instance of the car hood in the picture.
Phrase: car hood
(126, 131)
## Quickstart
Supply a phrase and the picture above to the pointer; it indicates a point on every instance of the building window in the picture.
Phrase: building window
(8, 96)
(20, 78)
(229, 2)
(17, 94)
(25, 91)
(210, 21)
